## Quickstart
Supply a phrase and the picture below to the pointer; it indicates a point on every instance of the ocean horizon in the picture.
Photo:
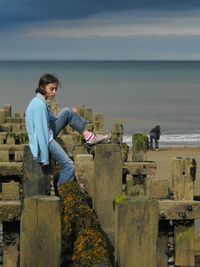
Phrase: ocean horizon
(137, 94)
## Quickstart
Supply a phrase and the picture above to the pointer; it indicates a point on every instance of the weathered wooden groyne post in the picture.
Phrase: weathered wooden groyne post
(177, 212)
(36, 178)
(136, 232)
(107, 184)
(136, 214)
(182, 186)
(40, 230)
(139, 147)
(138, 168)
(84, 171)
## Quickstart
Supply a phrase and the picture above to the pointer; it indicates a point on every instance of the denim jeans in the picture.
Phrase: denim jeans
(65, 117)
(153, 137)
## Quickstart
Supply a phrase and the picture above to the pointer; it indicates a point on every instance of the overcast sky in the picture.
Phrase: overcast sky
(100, 29)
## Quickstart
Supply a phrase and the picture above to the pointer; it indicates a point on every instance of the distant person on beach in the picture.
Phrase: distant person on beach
(154, 137)
(43, 128)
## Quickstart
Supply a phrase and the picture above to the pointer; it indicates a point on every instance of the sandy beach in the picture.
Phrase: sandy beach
(163, 159)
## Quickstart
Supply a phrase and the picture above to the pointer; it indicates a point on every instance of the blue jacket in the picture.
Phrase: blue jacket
(37, 121)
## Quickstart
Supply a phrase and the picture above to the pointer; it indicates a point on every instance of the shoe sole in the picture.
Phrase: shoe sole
(104, 141)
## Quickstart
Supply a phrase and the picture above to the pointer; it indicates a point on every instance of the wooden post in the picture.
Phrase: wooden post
(36, 179)
(40, 240)
(2, 116)
(98, 122)
(84, 172)
(136, 232)
(107, 184)
(117, 134)
(157, 188)
(79, 149)
(184, 243)
(139, 147)
(182, 186)
(182, 181)
(89, 114)
(81, 110)
(11, 244)
(8, 110)
(161, 251)
(139, 154)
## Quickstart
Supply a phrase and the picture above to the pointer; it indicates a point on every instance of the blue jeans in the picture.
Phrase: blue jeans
(153, 137)
(65, 117)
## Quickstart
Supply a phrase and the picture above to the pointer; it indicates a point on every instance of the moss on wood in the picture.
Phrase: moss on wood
(81, 226)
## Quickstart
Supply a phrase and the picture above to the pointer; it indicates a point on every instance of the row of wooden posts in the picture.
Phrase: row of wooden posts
(132, 222)
(149, 222)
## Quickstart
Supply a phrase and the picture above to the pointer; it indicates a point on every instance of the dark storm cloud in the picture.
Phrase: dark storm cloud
(99, 29)
(13, 12)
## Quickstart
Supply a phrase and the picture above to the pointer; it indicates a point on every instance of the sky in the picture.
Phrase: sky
(100, 30)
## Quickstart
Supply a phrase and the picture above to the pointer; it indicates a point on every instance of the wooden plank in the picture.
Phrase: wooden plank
(40, 233)
(11, 251)
(117, 134)
(10, 210)
(197, 237)
(12, 147)
(84, 172)
(36, 178)
(107, 184)
(161, 251)
(179, 210)
(197, 187)
(98, 121)
(11, 155)
(137, 168)
(11, 168)
(157, 188)
(139, 147)
(13, 138)
(136, 232)
(14, 127)
(10, 191)
(3, 136)
(182, 182)
(184, 240)
(2, 116)
(4, 155)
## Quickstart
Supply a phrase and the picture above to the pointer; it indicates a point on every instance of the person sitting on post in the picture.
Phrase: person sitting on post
(43, 128)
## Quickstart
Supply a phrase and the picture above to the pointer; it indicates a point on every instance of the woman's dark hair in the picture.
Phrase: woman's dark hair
(45, 80)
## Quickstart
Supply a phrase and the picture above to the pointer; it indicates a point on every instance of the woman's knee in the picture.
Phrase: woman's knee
(68, 165)
(72, 168)
(66, 110)
(64, 113)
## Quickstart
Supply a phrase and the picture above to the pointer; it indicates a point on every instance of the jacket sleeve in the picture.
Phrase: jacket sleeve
(41, 127)
(159, 133)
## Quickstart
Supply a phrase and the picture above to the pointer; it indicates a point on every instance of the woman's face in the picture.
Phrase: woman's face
(50, 90)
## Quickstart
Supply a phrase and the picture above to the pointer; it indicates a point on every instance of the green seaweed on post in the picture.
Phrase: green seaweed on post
(81, 226)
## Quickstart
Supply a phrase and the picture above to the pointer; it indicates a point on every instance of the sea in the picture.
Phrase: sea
(137, 94)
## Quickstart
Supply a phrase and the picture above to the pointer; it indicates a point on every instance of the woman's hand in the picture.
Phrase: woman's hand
(74, 109)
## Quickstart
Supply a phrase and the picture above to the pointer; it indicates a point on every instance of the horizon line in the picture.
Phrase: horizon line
(123, 60)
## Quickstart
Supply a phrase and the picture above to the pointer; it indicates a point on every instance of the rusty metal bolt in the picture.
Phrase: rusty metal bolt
(189, 208)
(183, 214)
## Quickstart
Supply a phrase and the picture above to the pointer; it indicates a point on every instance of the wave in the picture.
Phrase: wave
(170, 140)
